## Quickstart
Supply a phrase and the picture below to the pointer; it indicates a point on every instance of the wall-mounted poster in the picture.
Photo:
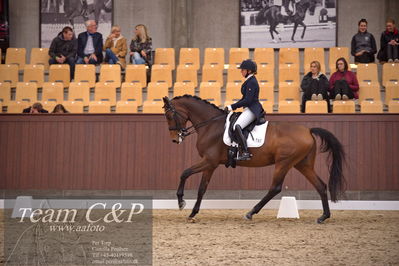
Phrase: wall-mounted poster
(288, 23)
(56, 14)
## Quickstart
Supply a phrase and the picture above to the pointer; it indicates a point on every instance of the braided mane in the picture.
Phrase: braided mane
(187, 96)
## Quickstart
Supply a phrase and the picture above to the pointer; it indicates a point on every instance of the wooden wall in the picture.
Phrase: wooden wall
(135, 152)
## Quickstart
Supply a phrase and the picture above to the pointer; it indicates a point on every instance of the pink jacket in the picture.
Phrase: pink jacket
(350, 77)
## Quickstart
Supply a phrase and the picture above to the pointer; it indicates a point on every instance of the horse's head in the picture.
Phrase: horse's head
(177, 120)
(312, 7)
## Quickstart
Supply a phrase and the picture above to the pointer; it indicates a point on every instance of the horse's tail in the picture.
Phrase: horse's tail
(329, 143)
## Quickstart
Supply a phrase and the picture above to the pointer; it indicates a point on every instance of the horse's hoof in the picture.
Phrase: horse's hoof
(275, 41)
(293, 41)
(191, 220)
(182, 204)
(248, 216)
(322, 218)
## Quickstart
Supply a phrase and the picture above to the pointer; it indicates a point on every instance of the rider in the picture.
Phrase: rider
(253, 110)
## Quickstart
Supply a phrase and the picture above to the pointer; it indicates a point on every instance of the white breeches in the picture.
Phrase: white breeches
(245, 118)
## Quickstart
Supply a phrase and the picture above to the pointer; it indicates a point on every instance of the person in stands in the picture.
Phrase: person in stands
(363, 46)
(343, 82)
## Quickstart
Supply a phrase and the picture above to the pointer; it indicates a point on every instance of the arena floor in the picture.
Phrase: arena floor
(222, 237)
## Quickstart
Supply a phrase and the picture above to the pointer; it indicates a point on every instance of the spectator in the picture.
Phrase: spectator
(63, 49)
(59, 109)
(141, 46)
(315, 86)
(115, 47)
(389, 50)
(363, 45)
(90, 45)
(36, 108)
(343, 82)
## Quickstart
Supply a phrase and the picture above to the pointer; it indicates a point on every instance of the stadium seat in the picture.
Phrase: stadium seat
(214, 56)
(136, 74)
(132, 92)
(391, 91)
(79, 92)
(289, 56)
(100, 107)
(48, 105)
(335, 53)
(153, 107)
(111, 73)
(53, 91)
(156, 90)
(266, 91)
(34, 73)
(265, 73)
(287, 107)
(390, 73)
(85, 74)
(393, 106)
(40, 56)
(165, 56)
(210, 91)
(267, 105)
(105, 91)
(314, 54)
(190, 57)
(26, 91)
(371, 107)
(342, 107)
(1, 105)
(316, 107)
(16, 56)
(237, 55)
(369, 90)
(234, 74)
(73, 106)
(367, 73)
(9, 73)
(233, 91)
(212, 73)
(264, 56)
(60, 73)
(16, 107)
(181, 88)
(126, 107)
(161, 73)
(288, 90)
(186, 73)
(5, 93)
(289, 73)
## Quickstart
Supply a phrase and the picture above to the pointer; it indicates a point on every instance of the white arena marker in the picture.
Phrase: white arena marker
(288, 208)
(22, 202)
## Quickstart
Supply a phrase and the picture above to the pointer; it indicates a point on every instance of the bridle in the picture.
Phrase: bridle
(182, 131)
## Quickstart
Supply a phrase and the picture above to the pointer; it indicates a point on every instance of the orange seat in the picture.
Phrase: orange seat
(60, 73)
(335, 53)
(288, 90)
(16, 56)
(111, 74)
(190, 57)
(165, 56)
(126, 107)
(212, 73)
(132, 92)
(316, 107)
(15, 107)
(289, 73)
(368, 90)
(186, 73)
(233, 91)
(153, 106)
(34, 73)
(265, 73)
(314, 54)
(234, 74)
(371, 107)
(390, 73)
(391, 91)
(5, 93)
(289, 56)
(393, 106)
(210, 91)
(161, 73)
(156, 91)
(266, 91)
(40, 56)
(9, 73)
(264, 56)
(342, 107)
(182, 88)
(237, 55)
(287, 107)
(214, 56)
(73, 106)
(79, 91)
(100, 107)
(53, 91)
(104, 91)
(367, 73)
(26, 91)
(136, 74)
(85, 73)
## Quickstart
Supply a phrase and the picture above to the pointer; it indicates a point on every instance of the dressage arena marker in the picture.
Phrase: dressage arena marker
(288, 208)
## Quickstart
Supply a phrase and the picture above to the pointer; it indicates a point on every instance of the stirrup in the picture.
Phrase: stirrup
(245, 156)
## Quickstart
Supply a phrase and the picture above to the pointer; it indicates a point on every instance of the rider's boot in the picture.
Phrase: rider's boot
(245, 155)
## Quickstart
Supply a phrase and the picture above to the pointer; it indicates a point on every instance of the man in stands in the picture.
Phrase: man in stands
(36, 108)
(90, 45)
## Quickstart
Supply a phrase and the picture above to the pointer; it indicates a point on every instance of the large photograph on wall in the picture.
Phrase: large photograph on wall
(56, 14)
(4, 26)
(288, 23)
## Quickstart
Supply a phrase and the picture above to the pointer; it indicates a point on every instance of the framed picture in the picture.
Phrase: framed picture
(4, 26)
(288, 23)
(56, 14)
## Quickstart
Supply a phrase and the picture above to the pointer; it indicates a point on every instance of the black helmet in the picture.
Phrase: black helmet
(249, 65)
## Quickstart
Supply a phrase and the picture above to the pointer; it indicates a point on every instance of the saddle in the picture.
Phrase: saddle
(247, 130)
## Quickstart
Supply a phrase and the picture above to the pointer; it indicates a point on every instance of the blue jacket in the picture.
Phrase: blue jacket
(97, 43)
(250, 98)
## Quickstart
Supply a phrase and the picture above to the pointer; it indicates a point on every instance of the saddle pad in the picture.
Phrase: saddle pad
(258, 134)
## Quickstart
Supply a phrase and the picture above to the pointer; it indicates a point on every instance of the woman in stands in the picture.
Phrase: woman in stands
(363, 45)
(141, 46)
(389, 49)
(59, 109)
(343, 82)
(115, 47)
(253, 110)
(315, 86)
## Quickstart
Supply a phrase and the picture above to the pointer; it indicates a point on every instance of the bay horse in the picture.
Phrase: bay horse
(74, 8)
(287, 145)
(272, 15)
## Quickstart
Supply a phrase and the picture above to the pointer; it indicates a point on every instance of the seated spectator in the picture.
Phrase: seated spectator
(63, 49)
(36, 108)
(59, 109)
(343, 82)
(141, 46)
(315, 86)
(363, 45)
(115, 47)
(389, 50)
(90, 45)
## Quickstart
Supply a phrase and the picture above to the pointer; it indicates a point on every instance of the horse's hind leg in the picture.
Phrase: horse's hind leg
(293, 32)
(304, 29)
(278, 178)
(306, 168)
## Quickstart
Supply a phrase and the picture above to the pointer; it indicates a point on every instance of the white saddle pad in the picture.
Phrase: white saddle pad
(255, 139)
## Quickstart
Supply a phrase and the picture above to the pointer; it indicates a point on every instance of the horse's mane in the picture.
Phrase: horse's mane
(187, 96)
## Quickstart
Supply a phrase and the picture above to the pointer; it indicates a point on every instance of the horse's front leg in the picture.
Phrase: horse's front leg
(202, 165)
(304, 29)
(294, 31)
(206, 177)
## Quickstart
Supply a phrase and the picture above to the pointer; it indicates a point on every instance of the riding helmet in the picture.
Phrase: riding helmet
(248, 65)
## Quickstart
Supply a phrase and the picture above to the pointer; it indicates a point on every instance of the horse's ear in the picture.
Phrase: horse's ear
(166, 100)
